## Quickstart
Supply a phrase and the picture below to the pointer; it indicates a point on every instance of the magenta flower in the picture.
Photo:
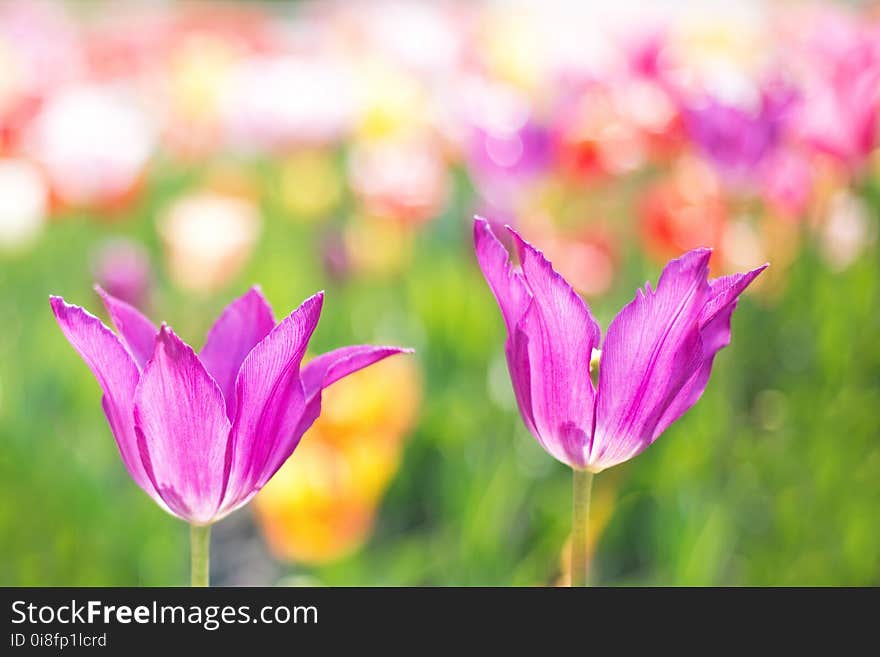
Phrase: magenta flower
(202, 433)
(655, 361)
(737, 140)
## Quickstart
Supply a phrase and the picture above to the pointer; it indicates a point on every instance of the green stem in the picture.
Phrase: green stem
(582, 486)
(200, 540)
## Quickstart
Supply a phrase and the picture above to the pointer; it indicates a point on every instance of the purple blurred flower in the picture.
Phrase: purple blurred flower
(201, 434)
(501, 161)
(655, 361)
(334, 256)
(123, 269)
(737, 139)
(523, 152)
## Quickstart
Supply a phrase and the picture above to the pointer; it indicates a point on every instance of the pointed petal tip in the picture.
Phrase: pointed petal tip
(513, 231)
(523, 245)
(393, 351)
(101, 292)
(701, 253)
(754, 273)
(316, 300)
(62, 310)
(256, 290)
(172, 343)
(689, 261)
(483, 233)
(481, 226)
(106, 297)
(60, 306)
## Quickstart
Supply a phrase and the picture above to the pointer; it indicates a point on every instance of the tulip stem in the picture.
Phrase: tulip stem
(582, 487)
(200, 541)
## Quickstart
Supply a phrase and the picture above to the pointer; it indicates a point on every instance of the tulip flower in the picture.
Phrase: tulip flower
(655, 360)
(203, 433)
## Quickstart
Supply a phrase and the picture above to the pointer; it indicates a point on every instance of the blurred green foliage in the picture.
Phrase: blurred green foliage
(773, 478)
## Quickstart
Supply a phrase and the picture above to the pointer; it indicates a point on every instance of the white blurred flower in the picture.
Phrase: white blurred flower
(274, 102)
(23, 203)
(208, 239)
(847, 231)
(741, 244)
(404, 180)
(93, 142)
(419, 36)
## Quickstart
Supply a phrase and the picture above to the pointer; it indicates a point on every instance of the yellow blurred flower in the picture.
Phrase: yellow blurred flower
(321, 504)
(376, 245)
(392, 104)
(199, 68)
(310, 184)
(721, 47)
(511, 48)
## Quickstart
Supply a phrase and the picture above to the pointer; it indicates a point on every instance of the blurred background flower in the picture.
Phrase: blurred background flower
(322, 505)
(24, 202)
(122, 267)
(208, 238)
(175, 152)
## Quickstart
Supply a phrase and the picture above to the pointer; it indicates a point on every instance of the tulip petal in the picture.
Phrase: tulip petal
(138, 333)
(504, 280)
(117, 374)
(652, 349)
(562, 334)
(182, 429)
(513, 297)
(326, 369)
(715, 335)
(242, 324)
(723, 295)
(517, 352)
(271, 400)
